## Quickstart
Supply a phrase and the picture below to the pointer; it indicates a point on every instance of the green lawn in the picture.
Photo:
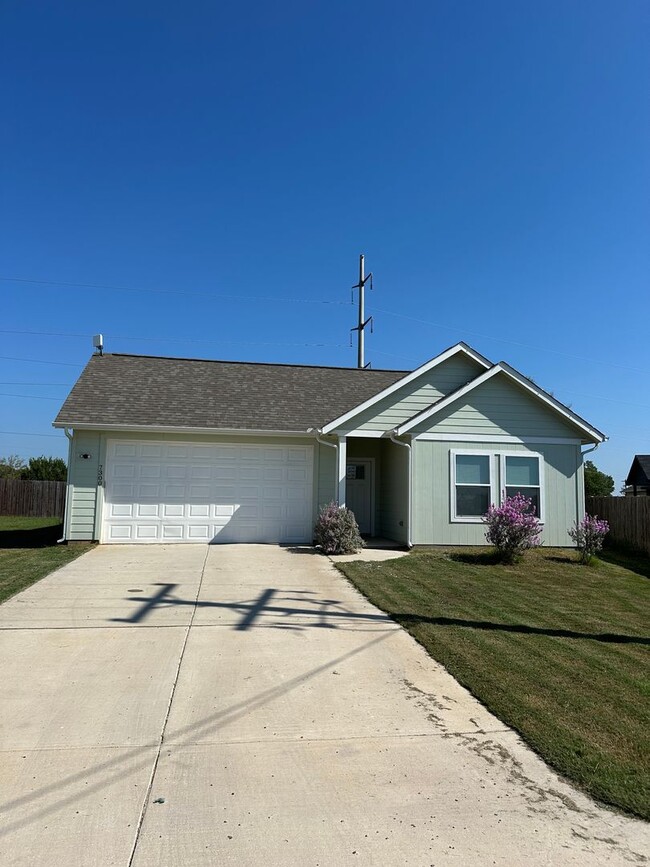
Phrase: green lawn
(28, 552)
(556, 650)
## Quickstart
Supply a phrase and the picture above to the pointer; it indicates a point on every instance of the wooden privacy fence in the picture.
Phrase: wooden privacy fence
(628, 519)
(32, 499)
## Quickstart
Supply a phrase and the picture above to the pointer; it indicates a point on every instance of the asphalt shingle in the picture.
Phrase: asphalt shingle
(116, 389)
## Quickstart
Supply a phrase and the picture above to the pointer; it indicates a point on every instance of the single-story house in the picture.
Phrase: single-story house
(186, 450)
(637, 483)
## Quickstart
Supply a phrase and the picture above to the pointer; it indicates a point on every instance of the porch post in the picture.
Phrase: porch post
(341, 464)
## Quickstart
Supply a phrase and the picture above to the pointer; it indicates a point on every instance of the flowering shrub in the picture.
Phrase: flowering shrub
(512, 527)
(337, 531)
(588, 536)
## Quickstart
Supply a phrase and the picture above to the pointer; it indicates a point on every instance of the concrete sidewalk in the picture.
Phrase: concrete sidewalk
(192, 705)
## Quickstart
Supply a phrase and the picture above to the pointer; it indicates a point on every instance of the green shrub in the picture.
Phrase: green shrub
(336, 530)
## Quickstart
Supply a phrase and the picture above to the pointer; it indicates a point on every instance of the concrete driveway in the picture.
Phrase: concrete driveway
(232, 705)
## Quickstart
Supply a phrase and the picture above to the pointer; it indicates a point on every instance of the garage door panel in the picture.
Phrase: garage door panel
(225, 493)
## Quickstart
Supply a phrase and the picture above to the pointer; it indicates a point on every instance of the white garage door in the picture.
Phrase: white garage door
(181, 492)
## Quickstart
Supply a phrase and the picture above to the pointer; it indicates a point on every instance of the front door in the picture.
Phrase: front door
(358, 492)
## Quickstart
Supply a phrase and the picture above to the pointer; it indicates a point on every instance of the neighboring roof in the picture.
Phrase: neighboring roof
(502, 368)
(639, 471)
(116, 390)
(409, 377)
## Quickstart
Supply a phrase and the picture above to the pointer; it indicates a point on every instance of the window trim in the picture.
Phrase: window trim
(541, 515)
(497, 464)
(469, 519)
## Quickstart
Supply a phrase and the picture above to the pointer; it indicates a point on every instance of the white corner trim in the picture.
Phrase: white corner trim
(419, 371)
(496, 438)
(506, 370)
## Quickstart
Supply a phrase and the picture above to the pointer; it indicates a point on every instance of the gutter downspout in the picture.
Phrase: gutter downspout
(410, 483)
(66, 512)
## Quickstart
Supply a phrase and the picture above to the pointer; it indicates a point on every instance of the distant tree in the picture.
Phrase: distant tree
(11, 467)
(45, 470)
(597, 484)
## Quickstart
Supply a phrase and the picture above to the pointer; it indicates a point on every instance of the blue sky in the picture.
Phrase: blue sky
(490, 159)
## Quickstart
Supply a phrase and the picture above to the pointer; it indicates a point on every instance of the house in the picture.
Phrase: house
(185, 450)
(637, 483)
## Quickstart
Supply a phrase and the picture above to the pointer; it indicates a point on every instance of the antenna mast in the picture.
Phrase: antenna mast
(363, 323)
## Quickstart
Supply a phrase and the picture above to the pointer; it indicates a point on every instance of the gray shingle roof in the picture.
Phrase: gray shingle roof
(117, 389)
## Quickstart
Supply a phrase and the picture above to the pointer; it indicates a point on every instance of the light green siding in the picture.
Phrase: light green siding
(417, 395)
(432, 524)
(498, 406)
(82, 486)
(393, 492)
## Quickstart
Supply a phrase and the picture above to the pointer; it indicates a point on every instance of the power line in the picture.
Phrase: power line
(39, 361)
(28, 396)
(464, 330)
(175, 339)
(174, 292)
(22, 433)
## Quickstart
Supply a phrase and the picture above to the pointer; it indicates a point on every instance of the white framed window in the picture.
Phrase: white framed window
(523, 473)
(480, 478)
(473, 484)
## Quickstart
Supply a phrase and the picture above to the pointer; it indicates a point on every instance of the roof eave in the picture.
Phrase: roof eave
(152, 428)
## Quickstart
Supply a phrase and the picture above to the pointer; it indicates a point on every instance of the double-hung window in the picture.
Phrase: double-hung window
(521, 473)
(481, 478)
(473, 485)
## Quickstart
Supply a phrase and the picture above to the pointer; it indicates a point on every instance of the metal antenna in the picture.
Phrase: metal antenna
(363, 323)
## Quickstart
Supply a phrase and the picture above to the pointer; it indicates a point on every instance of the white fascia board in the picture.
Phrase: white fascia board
(370, 434)
(213, 431)
(503, 368)
(419, 371)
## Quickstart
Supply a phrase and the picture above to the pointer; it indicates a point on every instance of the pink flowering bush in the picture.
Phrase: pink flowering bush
(337, 531)
(588, 535)
(512, 527)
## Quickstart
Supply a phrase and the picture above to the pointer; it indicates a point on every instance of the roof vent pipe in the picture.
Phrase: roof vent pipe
(98, 343)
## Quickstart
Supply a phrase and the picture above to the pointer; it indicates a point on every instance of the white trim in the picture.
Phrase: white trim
(373, 504)
(502, 367)
(540, 461)
(370, 434)
(494, 490)
(341, 466)
(424, 368)
(496, 438)
(210, 431)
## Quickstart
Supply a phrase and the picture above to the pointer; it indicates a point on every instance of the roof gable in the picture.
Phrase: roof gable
(382, 401)
(639, 471)
(524, 410)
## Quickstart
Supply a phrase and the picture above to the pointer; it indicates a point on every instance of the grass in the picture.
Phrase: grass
(556, 650)
(28, 552)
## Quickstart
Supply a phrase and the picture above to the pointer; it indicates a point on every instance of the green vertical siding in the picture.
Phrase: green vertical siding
(499, 406)
(432, 524)
(393, 491)
(82, 486)
(417, 395)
